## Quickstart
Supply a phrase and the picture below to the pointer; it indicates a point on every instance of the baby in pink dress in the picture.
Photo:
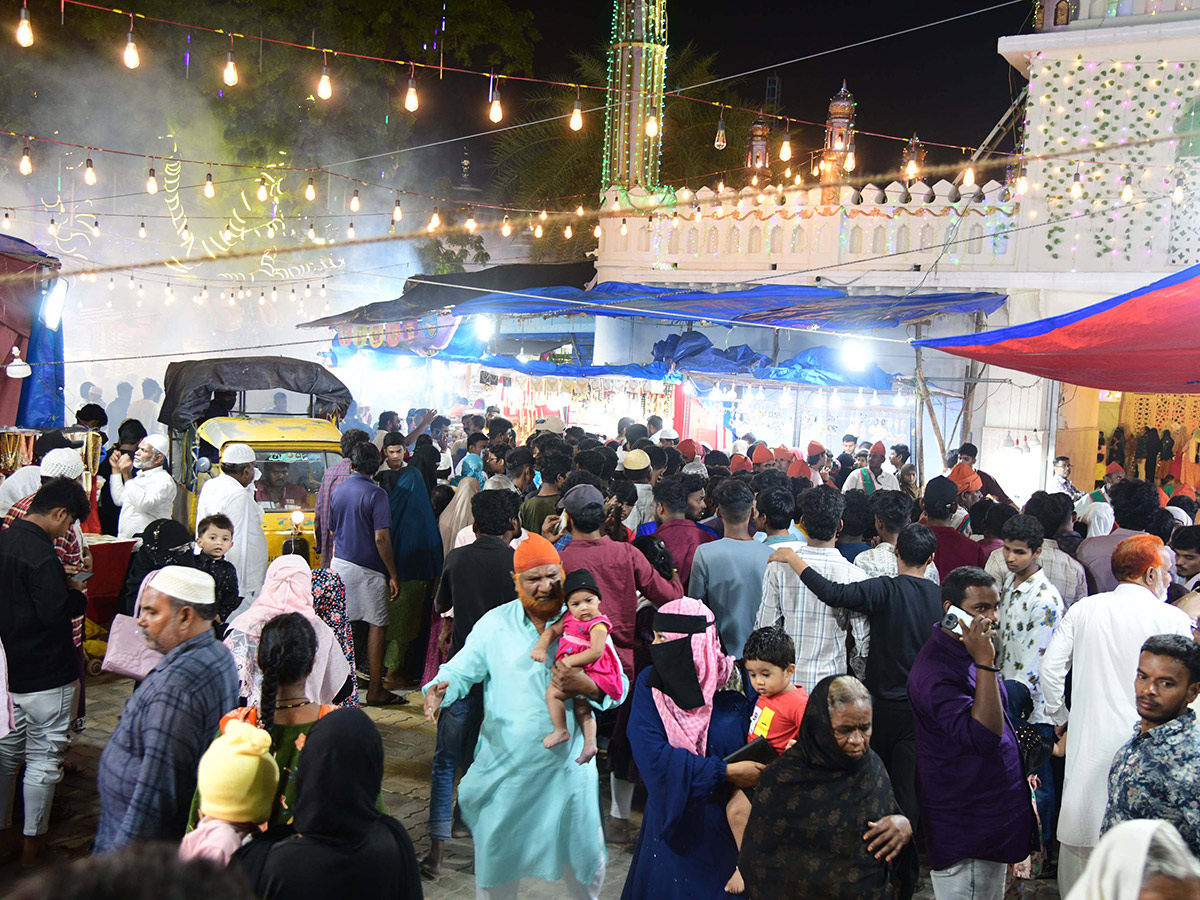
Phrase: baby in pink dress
(582, 636)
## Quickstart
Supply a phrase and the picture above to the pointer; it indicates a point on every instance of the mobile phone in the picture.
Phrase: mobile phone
(957, 620)
(81, 576)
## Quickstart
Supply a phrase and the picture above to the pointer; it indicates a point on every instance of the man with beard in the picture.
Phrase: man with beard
(532, 811)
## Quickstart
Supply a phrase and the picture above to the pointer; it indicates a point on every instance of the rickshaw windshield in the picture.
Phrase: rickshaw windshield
(290, 479)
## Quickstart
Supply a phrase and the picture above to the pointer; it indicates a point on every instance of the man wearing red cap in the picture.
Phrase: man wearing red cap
(819, 460)
(762, 458)
(872, 478)
(1113, 475)
(739, 463)
(968, 453)
(687, 449)
(532, 811)
(970, 491)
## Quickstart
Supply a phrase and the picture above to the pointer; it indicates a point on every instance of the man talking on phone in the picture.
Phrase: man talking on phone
(971, 787)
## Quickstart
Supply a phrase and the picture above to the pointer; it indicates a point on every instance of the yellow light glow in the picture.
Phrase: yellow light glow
(785, 149)
(354, 204)
(470, 223)
(576, 122)
(142, 230)
(349, 232)
(1022, 185)
(89, 174)
(25, 166)
(52, 228)
(624, 227)
(261, 193)
(325, 86)
(397, 213)
(132, 59)
(230, 75)
(496, 111)
(411, 101)
(151, 182)
(568, 233)
(25, 30)
(210, 189)
(312, 231)
(579, 210)
(597, 231)
(310, 191)
(1077, 186)
(537, 230)
(910, 171)
(850, 162)
(652, 124)
(435, 220)
(969, 177)
(506, 228)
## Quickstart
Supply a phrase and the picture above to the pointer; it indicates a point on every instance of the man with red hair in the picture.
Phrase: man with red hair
(1098, 641)
(532, 811)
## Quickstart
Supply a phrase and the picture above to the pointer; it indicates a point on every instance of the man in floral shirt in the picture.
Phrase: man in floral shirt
(1030, 609)
(1156, 774)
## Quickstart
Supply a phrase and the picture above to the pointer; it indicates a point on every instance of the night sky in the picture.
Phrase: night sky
(947, 83)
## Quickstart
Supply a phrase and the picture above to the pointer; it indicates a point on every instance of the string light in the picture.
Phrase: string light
(112, 285)
(397, 213)
(354, 204)
(1127, 189)
(227, 233)
(1022, 185)
(270, 230)
(274, 294)
(911, 171)
(576, 122)
(25, 166)
(537, 230)
(325, 86)
(505, 229)
(579, 210)
(848, 165)
(262, 298)
(542, 215)
(7, 222)
(52, 228)
(652, 123)
(151, 182)
(568, 233)
(25, 29)
(349, 233)
(624, 227)
(720, 142)
(496, 111)
(435, 220)
(142, 230)
(615, 205)
(141, 290)
(322, 291)
(184, 233)
(411, 101)
(230, 74)
(310, 191)
(132, 58)
(312, 231)
(785, 150)
(95, 227)
(1077, 185)
(210, 189)
(261, 193)
(969, 177)
(89, 173)
(721, 186)
(1177, 194)
(597, 231)
(470, 223)
(754, 179)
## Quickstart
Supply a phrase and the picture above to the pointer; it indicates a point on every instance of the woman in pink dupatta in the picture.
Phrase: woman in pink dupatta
(287, 589)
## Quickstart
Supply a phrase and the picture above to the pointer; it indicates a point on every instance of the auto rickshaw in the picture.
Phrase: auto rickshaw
(292, 450)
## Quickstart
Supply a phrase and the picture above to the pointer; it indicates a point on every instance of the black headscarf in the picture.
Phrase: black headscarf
(161, 541)
(339, 778)
(811, 809)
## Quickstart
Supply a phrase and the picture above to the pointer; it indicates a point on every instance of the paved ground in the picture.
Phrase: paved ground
(408, 747)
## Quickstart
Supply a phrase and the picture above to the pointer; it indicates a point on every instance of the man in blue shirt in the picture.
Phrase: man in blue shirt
(147, 772)
(360, 518)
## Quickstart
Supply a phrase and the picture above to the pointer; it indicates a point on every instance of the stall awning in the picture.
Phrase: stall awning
(775, 305)
(1143, 341)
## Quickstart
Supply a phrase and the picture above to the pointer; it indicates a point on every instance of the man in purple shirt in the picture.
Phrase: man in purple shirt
(971, 788)
(334, 476)
(360, 518)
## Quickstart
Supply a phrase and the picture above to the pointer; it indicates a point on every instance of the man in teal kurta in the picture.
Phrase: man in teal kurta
(533, 812)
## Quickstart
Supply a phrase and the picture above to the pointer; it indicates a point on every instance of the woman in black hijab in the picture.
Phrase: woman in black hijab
(343, 847)
(164, 543)
(824, 823)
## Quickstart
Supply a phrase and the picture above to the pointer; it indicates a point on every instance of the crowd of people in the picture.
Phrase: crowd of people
(811, 671)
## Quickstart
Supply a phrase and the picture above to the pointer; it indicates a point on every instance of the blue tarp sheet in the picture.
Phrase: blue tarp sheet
(792, 306)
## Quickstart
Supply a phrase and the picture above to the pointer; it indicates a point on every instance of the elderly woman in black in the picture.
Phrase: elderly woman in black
(824, 823)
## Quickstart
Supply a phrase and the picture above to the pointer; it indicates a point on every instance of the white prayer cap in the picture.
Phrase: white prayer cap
(237, 454)
(159, 442)
(186, 585)
(666, 434)
(695, 467)
(62, 463)
(500, 483)
(740, 447)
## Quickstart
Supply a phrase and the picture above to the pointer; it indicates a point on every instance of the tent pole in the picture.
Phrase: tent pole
(919, 433)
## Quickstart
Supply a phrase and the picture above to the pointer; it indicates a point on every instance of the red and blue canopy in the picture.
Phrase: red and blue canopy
(1146, 341)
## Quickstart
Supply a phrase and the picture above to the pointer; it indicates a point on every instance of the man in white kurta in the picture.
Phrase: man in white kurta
(1099, 641)
(149, 496)
(872, 478)
(231, 494)
(532, 811)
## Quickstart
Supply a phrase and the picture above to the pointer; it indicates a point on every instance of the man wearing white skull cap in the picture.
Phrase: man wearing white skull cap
(148, 497)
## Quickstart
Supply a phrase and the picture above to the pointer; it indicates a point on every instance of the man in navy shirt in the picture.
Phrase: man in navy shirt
(360, 518)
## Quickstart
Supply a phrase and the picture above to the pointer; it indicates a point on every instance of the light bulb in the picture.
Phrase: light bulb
(435, 220)
(132, 60)
(969, 177)
(470, 223)
(850, 162)
(325, 86)
(652, 123)
(542, 215)
(624, 227)
(262, 298)
(141, 292)
(721, 186)
(210, 189)
(310, 191)
(719, 142)
(307, 291)
(717, 211)
(615, 205)
(597, 231)
(25, 30)
(112, 285)
(496, 112)
(274, 294)
(292, 297)
(675, 220)
(322, 291)
(579, 210)
(142, 230)
(354, 203)
(1177, 194)
(910, 171)
(227, 233)
(89, 174)
(505, 229)
(411, 102)
(568, 233)
(52, 228)
(350, 231)
(816, 170)
(754, 179)
(184, 233)
(261, 193)
(576, 122)
(1077, 186)
(270, 230)
(230, 74)
(1127, 190)
(537, 230)
(7, 222)
(1022, 185)
(95, 227)
(25, 167)
(312, 231)
(785, 149)
(151, 182)
(204, 292)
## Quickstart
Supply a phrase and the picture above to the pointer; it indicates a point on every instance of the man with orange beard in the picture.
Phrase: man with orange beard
(532, 811)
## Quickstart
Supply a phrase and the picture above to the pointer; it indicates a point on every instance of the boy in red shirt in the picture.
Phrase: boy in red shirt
(770, 661)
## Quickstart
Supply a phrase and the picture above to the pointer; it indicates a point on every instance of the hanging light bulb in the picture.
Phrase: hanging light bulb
(293, 295)
(112, 285)
(721, 186)
(25, 166)
(576, 122)
(350, 231)
(52, 228)
(89, 173)
(1077, 186)
(184, 233)
(787, 173)
(312, 231)
(310, 190)
(615, 205)
(132, 59)
(95, 227)
(537, 230)
(270, 230)
(324, 86)
(568, 233)
(151, 182)
(506, 228)
(624, 227)
(435, 220)
(1177, 194)
(969, 177)
(495, 111)
(754, 179)
(411, 101)
(230, 75)
(597, 231)
(354, 204)
(18, 368)
(719, 142)
(210, 189)
(1127, 189)
(227, 233)
(142, 230)
(652, 123)
(816, 169)
(7, 223)
(24, 29)
(204, 292)
(542, 215)
(322, 291)
(470, 223)
(675, 221)
(579, 210)
(850, 162)
(141, 290)
(785, 150)
(397, 213)
(910, 170)
(262, 298)
(274, 294)
(1022, 185)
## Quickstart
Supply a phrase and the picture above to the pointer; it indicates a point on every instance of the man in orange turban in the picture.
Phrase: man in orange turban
(762, 458)
(871, 477)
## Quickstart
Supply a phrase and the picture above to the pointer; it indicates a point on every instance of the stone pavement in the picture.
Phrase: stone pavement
(408, 743)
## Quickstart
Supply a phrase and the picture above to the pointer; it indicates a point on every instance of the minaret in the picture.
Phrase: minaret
(837, 159)
(637, 62)
(758, 147)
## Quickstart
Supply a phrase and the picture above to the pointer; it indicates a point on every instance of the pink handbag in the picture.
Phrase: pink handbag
(127, 653)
